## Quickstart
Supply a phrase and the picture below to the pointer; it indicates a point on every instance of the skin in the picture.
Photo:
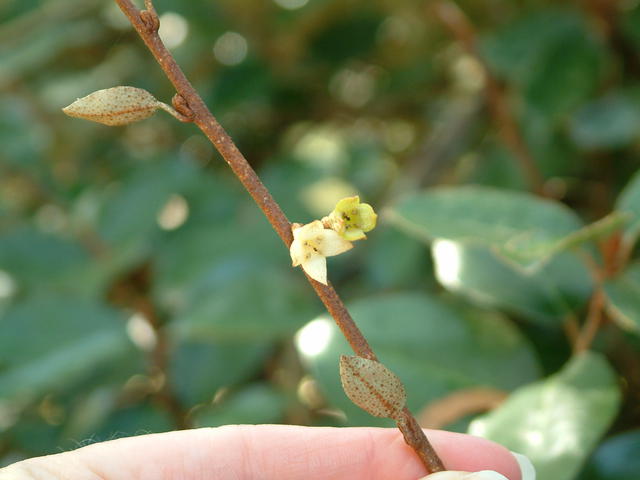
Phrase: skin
(264, 452)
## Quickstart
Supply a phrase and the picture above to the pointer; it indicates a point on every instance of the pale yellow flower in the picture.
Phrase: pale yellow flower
(312, 243)
(351, 219)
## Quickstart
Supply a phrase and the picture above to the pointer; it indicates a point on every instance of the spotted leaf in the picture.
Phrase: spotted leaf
(372, 386)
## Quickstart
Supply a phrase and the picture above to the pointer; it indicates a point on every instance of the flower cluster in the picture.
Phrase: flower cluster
(332, 235)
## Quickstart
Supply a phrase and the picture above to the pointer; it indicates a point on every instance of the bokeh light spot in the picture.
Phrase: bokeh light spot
(291, 4)
(314, 337)
(7, 285)
(173, 29)
(448, 260)
(230, 48)
(322, 147)
(141, 332)
(174, 213)
(353, 87)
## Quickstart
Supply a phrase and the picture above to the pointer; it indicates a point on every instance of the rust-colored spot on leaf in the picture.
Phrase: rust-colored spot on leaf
(372, 386)
(114, 106)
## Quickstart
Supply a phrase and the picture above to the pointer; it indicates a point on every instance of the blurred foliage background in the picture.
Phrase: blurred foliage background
(142, 291)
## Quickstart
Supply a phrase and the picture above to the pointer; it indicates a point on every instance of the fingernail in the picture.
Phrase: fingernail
(451, 475)
(527, 471)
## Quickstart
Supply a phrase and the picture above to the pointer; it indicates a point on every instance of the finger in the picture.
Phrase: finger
(266, 452)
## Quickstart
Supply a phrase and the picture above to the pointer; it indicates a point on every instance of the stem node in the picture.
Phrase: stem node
(182, 107)
(150, 20)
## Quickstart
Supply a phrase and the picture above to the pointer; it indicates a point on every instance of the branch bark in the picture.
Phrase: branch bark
(189, 103)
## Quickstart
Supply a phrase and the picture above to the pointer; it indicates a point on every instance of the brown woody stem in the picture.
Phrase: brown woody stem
(146, 24)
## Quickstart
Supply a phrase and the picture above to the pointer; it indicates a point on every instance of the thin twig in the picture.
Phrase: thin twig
(606, 15)
(595, 311)
(132, 291)
(452, 17)
(571, 327)
(146, 24)
(159, 357)
(593, 322)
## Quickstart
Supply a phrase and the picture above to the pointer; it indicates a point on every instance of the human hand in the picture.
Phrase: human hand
(266, 452)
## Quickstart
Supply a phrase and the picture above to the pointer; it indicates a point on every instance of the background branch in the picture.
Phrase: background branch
(454, 19)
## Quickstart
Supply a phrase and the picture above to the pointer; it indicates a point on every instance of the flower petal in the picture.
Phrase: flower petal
(308, 231)
(368, 217)
(331, 243)
(353, 234)
(297, 252)
(316, 267)
(347, 204)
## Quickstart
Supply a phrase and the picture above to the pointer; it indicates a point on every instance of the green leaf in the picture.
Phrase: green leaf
(347, 37)
(558, 421)
(128, 222)
(433, 348)
(201, 258)
(630, 26)
(394, 260)
(139, 419)
(199, 369)
(47, 343)
(514, 51)
(30, 255)
(255, 404)
(558, 288)
(552, 54)
(616, 459)
(257, 305)
(24, 138)
(609, 122)
(565, 74)
(629, 202)
(623, 298)
(521, 227)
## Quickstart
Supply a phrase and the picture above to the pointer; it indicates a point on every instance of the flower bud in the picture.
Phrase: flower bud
(115, 106)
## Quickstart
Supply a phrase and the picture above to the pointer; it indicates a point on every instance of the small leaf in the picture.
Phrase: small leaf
(616, 459)
(114, 106)
(629, 201)
(525, 230)
(623, 298)
(372, 386)
(558, 421)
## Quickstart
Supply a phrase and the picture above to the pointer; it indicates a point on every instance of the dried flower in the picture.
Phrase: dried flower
(312, 243)
(351, 219)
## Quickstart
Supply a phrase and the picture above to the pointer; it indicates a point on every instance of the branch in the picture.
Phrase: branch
(189, 104)
(592, 324)
(452, 17)
(132, 291)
